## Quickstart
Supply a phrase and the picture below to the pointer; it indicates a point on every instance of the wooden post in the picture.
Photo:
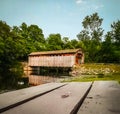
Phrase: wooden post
(38, 70)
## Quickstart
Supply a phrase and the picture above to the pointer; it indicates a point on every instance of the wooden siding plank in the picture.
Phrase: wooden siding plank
(52, 61)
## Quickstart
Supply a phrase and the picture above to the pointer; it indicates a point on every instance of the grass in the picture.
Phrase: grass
(88, 78)
(95, 72)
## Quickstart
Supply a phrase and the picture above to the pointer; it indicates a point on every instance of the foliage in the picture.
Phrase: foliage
(110, 49)
(67, 43)
(17, 42)
(32, 37)
(8, 55)
(54, 42)
(91, 36)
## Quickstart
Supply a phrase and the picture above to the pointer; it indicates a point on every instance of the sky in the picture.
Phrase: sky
(58, 16)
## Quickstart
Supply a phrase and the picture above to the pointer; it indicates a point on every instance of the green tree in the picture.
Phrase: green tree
(115, 39)
(91, 36)
(33, 38)
(67, 43)
(54, 42)
(106, 54)
(37, 37)
(74, 43)
(116, 33)
(92, 25)
(11, 46)
(110, 50)
(36, 34)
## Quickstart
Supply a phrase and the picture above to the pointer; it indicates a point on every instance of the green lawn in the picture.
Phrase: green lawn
(87, 78)
(95, 72)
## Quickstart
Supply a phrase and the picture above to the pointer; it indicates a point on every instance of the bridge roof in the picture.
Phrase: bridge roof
(56, 52)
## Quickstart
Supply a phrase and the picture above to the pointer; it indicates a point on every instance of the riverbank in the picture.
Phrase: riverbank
(95, 72)
(82, 73)
(96, 69)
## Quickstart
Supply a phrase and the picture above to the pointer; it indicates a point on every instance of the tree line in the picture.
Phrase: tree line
(18, 41)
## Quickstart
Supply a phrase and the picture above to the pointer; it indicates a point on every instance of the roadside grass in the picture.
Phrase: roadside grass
(88, 78)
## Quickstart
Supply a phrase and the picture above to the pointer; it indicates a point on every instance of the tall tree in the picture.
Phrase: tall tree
(91, 36)
(116, 32)
(115, 36)
(11, 46)
(74, 43)
(37, 37)
(67, 43)
(110, 50)
(33, 38)
(36, 34)
(54, 42)
(106, 53)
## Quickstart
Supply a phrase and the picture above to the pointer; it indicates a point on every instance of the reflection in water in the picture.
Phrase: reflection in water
(38, 79)
(41, 75)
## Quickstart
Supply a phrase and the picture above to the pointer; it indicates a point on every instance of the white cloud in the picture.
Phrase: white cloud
(79, 1)
(96, 7)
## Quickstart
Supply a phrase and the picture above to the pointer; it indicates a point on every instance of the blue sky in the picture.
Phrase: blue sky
(58, 16)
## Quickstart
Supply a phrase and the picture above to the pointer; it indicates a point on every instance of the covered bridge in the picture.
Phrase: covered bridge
(48, 65)
(59, 58)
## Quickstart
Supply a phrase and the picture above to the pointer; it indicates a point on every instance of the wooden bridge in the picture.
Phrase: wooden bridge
(59, 58)
(99, 97)
(53, 63)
